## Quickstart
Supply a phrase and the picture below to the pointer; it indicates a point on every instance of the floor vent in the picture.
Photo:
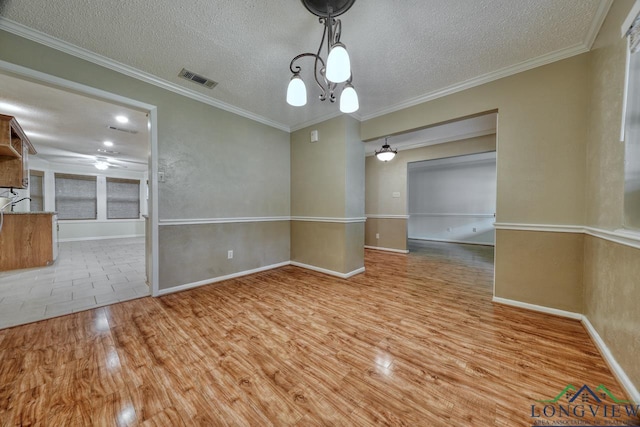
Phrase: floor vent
(196, 78)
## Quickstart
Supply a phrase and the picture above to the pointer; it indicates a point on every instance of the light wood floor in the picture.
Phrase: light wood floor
(414, 341)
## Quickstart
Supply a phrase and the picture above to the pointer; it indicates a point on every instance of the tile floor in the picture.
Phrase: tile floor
(87, 275)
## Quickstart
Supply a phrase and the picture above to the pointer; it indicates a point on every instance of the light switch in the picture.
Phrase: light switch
(314, 136)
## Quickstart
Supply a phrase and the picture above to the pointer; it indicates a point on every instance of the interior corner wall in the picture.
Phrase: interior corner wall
(542, 122)
(217, 165)
(327, 196)
(611, 270)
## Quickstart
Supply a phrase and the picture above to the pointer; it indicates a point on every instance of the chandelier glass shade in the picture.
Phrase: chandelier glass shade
(386, 153)
(337, 67)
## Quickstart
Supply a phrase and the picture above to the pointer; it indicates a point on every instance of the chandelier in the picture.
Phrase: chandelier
(386, 153)
(336, 69)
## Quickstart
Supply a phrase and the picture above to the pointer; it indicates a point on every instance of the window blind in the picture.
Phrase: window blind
(123, 198)
(634, 35)
(75, 196)
(36, 191)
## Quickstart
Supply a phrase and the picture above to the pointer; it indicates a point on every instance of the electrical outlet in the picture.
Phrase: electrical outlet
(377, 235)
(229, 254)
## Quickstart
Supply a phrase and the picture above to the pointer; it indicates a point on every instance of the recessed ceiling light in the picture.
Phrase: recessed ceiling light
(122, 119)
(108, 144)
(102, 166)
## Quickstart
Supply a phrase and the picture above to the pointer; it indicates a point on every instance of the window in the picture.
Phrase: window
(123, 198)
(36, 191)
(632, 125)
(75, 196)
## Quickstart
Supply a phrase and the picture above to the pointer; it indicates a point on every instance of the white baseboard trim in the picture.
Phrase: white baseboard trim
(378, 248)
(220, 279)
(617, 370)
(540, 308)
(329, 272)
(82, 239)
(464, 242)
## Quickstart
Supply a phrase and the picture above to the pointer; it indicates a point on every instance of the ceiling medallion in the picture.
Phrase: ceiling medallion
(337, 67)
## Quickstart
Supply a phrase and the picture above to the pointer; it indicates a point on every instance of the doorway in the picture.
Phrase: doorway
(88, 156)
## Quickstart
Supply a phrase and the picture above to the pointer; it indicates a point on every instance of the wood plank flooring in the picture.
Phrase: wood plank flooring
(415, 341)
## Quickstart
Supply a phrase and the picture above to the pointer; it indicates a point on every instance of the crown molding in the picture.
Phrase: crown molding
(558, 55)
(68, 48)
(485, 78)
(597, 22)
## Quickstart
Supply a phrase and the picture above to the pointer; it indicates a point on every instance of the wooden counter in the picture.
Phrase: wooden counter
(28, 239)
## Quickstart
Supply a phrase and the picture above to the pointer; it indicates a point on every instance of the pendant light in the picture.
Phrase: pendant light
(386, 153)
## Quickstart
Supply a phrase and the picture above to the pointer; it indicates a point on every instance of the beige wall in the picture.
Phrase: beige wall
(199, 252)
(611, 270)
(318, 170)
(541, 132)
(392, 233)
(217, 164)
(327, 184)
(612, 299)
(605, 151)
(332, 246)
(547, 267)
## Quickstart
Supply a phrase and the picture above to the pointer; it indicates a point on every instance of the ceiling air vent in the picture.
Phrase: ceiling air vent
(131, 131)
(196, 78)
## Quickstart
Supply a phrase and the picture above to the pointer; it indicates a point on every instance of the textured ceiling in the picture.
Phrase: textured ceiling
(68, 128)
(400, 50)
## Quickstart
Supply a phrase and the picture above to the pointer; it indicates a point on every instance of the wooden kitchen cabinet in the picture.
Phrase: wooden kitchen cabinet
(28, 240)
(15, 149)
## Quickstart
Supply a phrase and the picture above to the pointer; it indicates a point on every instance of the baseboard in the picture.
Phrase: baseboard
(539, 308)
(378, 248)
(329, 272)
(220, 278)
(464, 242)
(617, 370)
(82, 239)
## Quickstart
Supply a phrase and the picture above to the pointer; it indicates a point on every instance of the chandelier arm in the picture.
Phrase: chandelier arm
(337, 31)
(323, 89)
(297, 68)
